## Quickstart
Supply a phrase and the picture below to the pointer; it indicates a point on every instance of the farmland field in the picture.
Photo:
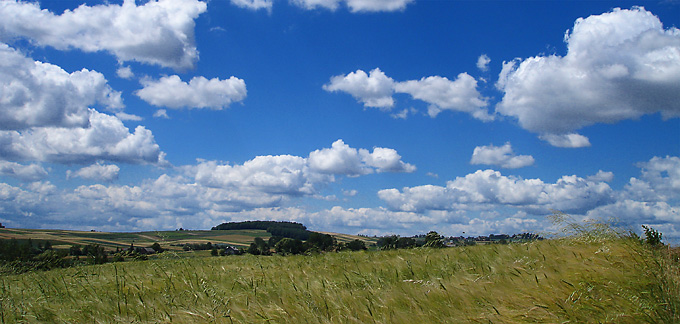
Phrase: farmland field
(616, 280)
(171, 240)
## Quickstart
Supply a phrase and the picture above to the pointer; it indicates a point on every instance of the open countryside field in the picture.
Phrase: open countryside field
(172, 240)
(617, 280)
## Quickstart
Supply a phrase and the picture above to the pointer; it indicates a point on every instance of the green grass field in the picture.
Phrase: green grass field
(615, 280)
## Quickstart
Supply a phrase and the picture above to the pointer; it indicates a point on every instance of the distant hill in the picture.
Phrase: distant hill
(284, 229)
(171, 240)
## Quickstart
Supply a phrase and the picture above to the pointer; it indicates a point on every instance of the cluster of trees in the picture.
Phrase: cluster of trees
(13, 250)
(19, 256)
(94, 253)
(289, 238)
(316, 242)
(652, 237)
(432, 239)
(283, 229)
(25, 255)
(197, 246)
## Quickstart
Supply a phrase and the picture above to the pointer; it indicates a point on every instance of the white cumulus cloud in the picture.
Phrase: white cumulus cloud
(31, 172)
(106, 138)
(282, 174)
(354, 5)
(659, 180)
(619, 65)
(345, 160)
(443, 94)
(502, 156)
(156, 32)
(486, 188)
(97, 171)
(161, 113)
(200, 92)
(125, 72)
(653, 198)
(254, 4)
(571, 140)
(373, 89)
(479, 203)
(377, 5)
(267, 181)
(483, 62)
(37, 94)
(377, 89)
(604, 176)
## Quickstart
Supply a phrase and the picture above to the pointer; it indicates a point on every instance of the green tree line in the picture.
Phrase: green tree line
(283, 229)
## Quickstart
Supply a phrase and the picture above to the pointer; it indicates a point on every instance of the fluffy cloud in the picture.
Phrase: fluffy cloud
(488, 189)
(373, 90)
(571, 140)
(443, 94)
(602, 176)
(639, 212)
(36, 94)
(376, 90)
(161, 113)
(483, 62)
(254, 4)
(381, 221)
(342, 159)
(157, 32)
(663, 174)
(202, 196)
(106, 138)
(354, 5)
(478, 204)
(350, 193)
(172, 92)
(98, 172)
(652, 198)
(268, 181)
(377, 5)
(339, 159)
(125, 72)
(619, 65)
(315, 4)
(31, 172)
(282, 174)
(502, 156)
(659, 181)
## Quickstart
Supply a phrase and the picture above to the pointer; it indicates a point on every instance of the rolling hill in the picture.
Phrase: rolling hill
(170, 240)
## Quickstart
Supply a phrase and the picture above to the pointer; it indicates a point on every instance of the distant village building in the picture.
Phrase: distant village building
(1, 226)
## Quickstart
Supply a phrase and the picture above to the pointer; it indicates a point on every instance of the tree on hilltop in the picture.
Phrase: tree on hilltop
(433, 239)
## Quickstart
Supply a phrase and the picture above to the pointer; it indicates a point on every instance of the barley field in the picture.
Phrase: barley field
(551, 281)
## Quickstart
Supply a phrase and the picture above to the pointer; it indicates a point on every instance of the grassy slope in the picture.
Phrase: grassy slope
(545, 281)
(168, 239)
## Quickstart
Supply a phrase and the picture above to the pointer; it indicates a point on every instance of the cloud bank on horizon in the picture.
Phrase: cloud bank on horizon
(79, 150)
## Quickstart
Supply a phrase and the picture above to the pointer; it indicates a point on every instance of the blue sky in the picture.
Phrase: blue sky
(353, 116)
